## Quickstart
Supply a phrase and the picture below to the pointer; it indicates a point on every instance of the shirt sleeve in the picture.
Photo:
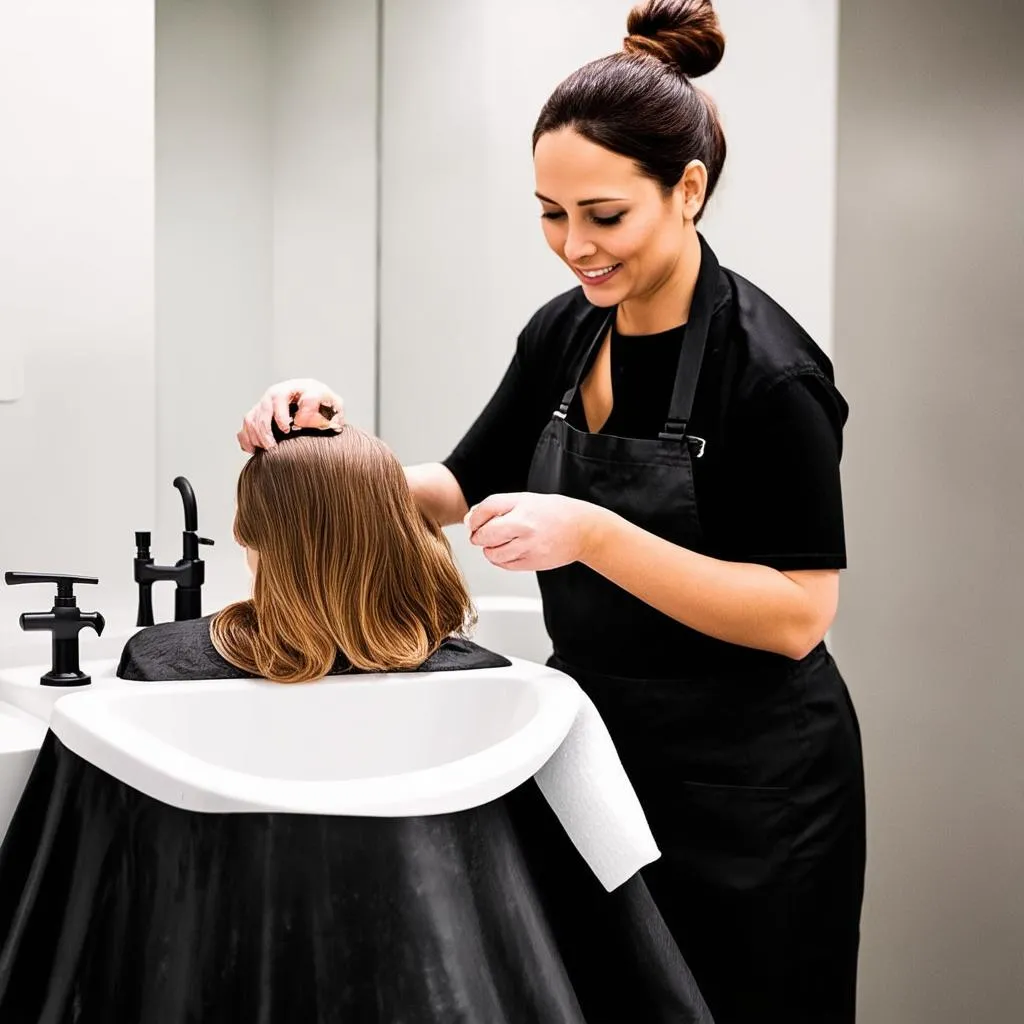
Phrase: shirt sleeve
(494, 455)
(784, 478)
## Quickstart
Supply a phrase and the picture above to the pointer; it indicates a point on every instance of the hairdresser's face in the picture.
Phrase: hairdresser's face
(252, 559)
(601, 214)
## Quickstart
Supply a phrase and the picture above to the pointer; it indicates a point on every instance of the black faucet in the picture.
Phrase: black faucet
(64, 621)
(188, 573)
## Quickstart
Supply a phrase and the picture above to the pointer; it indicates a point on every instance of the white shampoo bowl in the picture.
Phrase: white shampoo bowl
(389, 745)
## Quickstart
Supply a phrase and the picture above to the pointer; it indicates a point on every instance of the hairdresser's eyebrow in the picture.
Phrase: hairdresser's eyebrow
(583, 202)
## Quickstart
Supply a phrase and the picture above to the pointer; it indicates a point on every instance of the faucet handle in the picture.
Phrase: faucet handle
(14, 578)
(65, 584)
(204, 540)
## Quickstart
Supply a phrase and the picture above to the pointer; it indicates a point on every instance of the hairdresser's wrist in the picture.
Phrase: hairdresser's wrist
(596, 527)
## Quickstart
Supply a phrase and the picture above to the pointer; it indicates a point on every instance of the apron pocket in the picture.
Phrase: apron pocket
(729, 837)
(721, 884)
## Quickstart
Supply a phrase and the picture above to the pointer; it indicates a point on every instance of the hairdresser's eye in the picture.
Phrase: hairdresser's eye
(607, 222)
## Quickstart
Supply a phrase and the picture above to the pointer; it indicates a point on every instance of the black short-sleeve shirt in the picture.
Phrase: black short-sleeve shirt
(768, 486)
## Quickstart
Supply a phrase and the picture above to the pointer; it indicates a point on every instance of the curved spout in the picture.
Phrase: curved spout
(95, 620)
(188, 500)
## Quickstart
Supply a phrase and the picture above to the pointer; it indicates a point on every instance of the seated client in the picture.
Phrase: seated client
(348, 576)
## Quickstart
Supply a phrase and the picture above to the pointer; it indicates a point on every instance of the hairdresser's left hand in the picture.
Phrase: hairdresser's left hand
(533, 531)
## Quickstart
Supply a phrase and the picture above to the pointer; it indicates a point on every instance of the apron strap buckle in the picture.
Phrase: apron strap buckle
(563, 406)
(675, 430)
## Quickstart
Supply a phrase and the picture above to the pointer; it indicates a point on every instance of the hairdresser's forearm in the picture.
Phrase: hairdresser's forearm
(786, 612)
(437, 492)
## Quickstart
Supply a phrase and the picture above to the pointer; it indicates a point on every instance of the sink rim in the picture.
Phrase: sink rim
(86, 724)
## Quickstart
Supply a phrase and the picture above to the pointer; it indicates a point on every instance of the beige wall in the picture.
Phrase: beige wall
(930, 347)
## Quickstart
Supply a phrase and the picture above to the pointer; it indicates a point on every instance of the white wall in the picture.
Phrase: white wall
(188, 201)
(929, 327)
(214, 261)
(76, 291)
(266, 235)
(464, 264)
(325, 196)
(772, 217)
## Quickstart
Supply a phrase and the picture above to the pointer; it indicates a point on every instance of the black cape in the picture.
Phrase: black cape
(183, 650)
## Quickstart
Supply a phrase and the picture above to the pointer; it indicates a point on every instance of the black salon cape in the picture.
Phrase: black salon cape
(118, 909)
(182, 651)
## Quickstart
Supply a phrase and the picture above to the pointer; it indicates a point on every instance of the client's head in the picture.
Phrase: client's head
(345, 563)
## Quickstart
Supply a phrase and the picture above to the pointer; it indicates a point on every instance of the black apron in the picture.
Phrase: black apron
(750, 774)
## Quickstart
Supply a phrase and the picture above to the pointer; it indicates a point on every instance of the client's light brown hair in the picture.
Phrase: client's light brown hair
(347, 564)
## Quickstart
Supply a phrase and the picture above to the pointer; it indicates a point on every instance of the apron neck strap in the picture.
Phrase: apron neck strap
(584, 365)
(694, 342)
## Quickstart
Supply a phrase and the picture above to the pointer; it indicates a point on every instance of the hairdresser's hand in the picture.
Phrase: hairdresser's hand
(310, 395)
(533, 531)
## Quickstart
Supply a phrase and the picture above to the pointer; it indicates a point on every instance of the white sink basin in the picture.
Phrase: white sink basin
(386, 745)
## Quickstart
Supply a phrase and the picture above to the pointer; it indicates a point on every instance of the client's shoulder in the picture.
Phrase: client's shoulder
(175, 651)
(457, 653)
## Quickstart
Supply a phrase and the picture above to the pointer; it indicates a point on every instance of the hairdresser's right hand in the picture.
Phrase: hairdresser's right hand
(313, 398)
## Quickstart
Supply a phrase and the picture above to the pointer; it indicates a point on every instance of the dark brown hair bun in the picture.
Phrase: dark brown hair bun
(684, 33)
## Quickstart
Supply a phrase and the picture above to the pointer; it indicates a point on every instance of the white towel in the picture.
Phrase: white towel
(587, 787)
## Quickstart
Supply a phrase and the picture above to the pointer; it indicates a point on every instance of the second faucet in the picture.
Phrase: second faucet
(188, 573)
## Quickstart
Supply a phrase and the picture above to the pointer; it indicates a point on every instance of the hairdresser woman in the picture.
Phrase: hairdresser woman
(664, 451)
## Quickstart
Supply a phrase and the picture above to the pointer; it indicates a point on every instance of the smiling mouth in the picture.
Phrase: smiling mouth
(600, 274)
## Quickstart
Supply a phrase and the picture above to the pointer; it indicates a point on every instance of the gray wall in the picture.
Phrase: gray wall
(930, 342)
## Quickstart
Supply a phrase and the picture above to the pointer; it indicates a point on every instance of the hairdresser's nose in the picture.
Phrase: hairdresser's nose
(578, 245)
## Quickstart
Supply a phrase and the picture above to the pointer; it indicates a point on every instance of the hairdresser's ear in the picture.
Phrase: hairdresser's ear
(693, 187)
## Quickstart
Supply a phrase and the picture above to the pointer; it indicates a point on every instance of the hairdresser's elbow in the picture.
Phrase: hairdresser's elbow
(805, 635)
